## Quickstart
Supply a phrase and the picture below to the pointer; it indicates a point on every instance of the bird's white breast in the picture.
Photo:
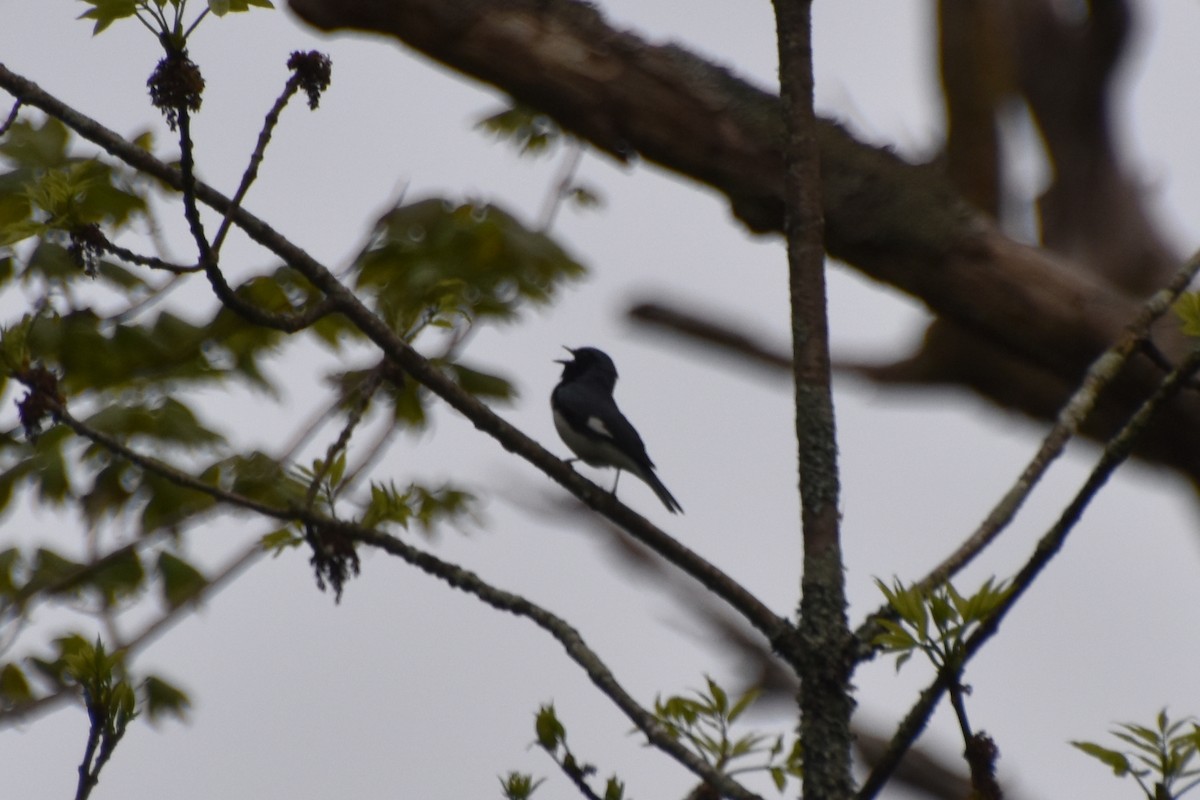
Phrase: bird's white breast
(596, 452)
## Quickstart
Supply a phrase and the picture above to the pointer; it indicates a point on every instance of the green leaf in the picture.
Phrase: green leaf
(118, 575)
(54, 668)
(180, 580)
(53, 572)
(106, 12)
(1187, 309)
(123, 702)
(277, 541)
(550, 732)
(720, 698)
(482, 384)
(14, 686)
(428, 507)
(222, 7)
(338, 469)
(614, 789)
(743, 703)
(519, 786)
(164, 421)
(1114, 759)
(169, 504)
(124, 279)
(35, 146)
(10, 562)
(529, 130)
(260, 477)
(164, 699)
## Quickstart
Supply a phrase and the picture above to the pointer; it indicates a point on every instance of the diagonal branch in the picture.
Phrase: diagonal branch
(1070, 418)
(1115, 453)
(777, 629)
(454, 576)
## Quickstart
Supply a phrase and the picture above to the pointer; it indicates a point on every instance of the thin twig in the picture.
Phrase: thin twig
(153, 262)
(577, 775)
(362, 399)
(562, 184)
(1114, 454)
(566, 635)
(1102, 371)
(264, 137)
(87, 777)
(157, 294)
(12, 117)
(453, 575)
(374, 451)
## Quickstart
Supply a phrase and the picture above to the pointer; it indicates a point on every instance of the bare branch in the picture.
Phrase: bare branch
(1070, 418)
(1047, 547)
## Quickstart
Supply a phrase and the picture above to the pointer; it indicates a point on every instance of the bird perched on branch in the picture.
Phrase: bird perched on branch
(588, 420)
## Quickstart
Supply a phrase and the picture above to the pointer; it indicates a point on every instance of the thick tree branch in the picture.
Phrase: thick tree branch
(825, 697)
(899, 223)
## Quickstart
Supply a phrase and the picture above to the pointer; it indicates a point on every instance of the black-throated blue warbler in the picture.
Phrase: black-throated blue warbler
(588, 420)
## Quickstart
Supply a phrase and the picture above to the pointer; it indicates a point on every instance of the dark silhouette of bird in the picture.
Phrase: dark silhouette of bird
(588, 420)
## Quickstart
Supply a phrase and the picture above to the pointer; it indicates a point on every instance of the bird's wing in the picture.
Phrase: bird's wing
(599, 419)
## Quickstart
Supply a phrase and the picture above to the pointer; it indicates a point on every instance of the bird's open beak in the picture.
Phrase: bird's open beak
(564, 360)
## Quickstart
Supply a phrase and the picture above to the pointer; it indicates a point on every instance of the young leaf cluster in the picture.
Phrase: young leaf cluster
(519, 785)
(935, 622)
(552, 737)
(1162, 758)
(530, 131)
(166, 17)
(106, 584)
(111, 702)
(427, 508)
(704, 721)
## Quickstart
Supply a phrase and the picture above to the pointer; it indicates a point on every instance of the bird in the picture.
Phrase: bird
(589, 422)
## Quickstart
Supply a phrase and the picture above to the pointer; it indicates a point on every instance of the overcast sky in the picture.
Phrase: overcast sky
(408, 689)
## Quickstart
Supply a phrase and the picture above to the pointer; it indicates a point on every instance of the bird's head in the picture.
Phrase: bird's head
(588, 363)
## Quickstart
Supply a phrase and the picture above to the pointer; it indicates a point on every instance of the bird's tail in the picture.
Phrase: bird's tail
(654, 483)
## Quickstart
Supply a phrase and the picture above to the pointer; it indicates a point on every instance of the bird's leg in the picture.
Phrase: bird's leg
(615, 482)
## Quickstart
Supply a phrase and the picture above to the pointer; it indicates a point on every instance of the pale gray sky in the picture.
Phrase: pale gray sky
(409, 689)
